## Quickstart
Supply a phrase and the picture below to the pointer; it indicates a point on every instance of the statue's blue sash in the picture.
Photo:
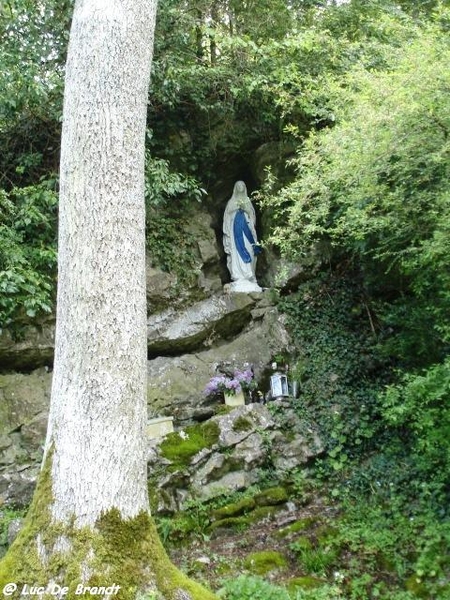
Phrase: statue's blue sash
(241, 230)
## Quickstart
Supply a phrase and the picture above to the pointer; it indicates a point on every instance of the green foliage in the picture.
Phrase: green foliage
(384, 540)
(221, 88)
(373, 191)
(226, 80)
(335, 362)
(255, 588)
(27, 251)
(419, 408)
(376, 186)
(250, 588)
(163, 185)
(315, 560)
(369, 193)
(34, 37)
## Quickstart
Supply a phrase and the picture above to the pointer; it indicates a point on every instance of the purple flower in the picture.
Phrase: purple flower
(233, 385)
(241, 381)
(215, 385)
(245, 376)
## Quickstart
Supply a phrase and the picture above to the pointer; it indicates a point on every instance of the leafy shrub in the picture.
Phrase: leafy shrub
(336, 362)
(418, 407)
(314, 560)
(27, 251)
(163, 185)
(375, 186)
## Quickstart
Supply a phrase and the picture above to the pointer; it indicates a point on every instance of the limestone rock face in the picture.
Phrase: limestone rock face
(204, 279)
(176, 384)
(250, 438)
(236, 329)
(160, 287)
(17, 487)
(24, 401)
(32, 348)
(283, 274)
(174, 332)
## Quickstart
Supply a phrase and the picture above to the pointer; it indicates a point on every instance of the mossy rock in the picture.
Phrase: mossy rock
(242, 424)
(234, 510)
(180, 449)
(300, 525)
(272, 496)
(263, 562)
(260, 513)
(230, 523)
(223, 409)
(303, 583)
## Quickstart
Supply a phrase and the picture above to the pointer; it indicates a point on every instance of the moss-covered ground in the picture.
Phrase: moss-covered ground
(292, 551)
(288, 551)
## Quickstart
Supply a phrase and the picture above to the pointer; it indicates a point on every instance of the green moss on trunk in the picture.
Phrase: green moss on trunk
(116, 552)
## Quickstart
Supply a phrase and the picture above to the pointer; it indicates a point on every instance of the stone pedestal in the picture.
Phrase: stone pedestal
(159, 427)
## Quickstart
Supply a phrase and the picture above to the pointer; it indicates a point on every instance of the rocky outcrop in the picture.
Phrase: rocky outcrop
(24, 403)
(175, 332)
(249, 438)
(231, 329)
(30, 347)
(205, 258)
(23, 406)
(176, 384)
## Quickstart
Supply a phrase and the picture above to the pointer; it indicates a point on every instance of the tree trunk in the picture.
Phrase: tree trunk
(199, 36)
(89, 522)
(212, 37)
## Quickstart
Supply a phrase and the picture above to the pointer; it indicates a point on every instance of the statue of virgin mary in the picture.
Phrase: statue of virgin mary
(240, 241)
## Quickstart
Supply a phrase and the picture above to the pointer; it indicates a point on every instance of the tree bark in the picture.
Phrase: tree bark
(89, 522)
(100, 350)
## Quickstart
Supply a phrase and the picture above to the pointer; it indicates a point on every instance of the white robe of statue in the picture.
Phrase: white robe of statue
(240, 242)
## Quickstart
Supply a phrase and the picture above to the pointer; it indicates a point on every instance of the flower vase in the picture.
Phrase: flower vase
(237, 399)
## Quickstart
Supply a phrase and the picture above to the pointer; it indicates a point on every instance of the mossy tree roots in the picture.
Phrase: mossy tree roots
(123, 556)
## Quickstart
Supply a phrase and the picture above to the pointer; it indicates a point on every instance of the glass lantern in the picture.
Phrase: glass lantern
(279, 386)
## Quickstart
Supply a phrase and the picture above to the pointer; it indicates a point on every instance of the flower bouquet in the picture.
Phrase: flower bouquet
(232, 385)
